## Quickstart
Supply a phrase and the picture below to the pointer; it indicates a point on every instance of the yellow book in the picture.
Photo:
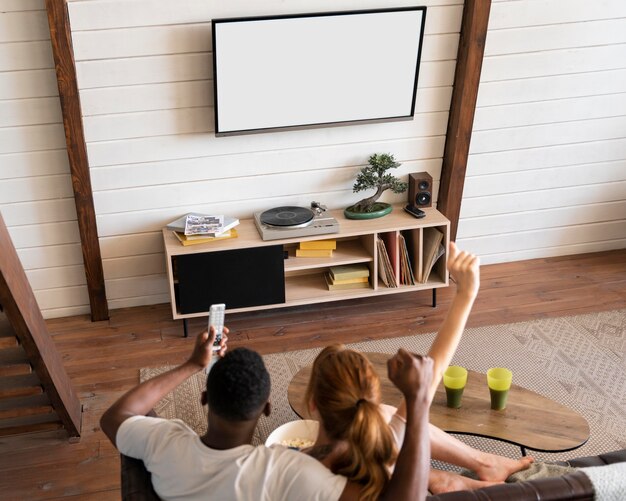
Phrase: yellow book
(182, 238)
(349, 271)
(319, 244)
(333, 286)
(314, 253)
(356, 280)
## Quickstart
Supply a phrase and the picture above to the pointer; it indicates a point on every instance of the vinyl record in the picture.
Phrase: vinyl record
(287, 216)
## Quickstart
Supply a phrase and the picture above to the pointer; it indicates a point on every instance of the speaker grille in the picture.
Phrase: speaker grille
(423, 199)
(420, 189)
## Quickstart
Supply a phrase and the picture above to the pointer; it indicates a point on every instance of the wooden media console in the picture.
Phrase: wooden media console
(248, 273)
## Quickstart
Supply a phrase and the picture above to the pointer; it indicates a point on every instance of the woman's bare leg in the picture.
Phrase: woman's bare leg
(440, 482)
(444, 447)
(490, 467)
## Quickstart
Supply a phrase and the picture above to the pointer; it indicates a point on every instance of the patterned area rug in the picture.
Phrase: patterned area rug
(579, 361)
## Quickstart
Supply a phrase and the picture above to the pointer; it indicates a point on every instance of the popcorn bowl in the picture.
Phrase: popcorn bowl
(295, 434)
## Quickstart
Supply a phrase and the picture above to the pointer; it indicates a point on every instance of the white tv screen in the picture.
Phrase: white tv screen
(316, 69)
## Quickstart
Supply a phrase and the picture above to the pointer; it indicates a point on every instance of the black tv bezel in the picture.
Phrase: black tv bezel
(320, 124)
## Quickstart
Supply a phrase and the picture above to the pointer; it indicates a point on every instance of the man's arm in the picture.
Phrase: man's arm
(412, 374)
(140, 400)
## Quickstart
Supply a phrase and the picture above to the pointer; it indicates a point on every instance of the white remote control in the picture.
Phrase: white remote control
(216, 319)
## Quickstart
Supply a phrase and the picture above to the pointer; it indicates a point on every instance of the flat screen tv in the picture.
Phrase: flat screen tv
(311, 70)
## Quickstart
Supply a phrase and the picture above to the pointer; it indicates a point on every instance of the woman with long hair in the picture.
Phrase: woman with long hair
(358, 434)
(354, 438)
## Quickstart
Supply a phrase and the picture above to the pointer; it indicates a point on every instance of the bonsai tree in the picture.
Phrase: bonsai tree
(375, 176)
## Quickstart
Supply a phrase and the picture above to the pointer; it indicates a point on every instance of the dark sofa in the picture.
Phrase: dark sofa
(576, 486)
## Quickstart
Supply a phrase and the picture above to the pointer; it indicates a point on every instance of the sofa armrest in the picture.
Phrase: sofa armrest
(600, 460)
(573, 486)
(136, 481)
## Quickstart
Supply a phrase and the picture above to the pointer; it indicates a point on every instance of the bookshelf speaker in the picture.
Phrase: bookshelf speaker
(420, 189)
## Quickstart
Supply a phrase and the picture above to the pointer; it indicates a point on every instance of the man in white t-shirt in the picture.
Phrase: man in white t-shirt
(222, 464)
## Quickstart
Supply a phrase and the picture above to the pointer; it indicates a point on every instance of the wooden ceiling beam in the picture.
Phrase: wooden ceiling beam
(461, 120)
(61, 38)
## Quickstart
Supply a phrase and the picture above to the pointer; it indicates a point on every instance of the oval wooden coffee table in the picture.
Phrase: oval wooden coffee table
(530, 421)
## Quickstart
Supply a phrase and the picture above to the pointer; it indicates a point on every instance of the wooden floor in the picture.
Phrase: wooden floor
(103, 358)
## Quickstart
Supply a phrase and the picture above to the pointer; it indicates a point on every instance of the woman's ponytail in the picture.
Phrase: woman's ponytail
(371, 450)
(346, 392)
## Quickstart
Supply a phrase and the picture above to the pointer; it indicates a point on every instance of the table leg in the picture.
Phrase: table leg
(185, 332)
(434, 298)
(523, 449)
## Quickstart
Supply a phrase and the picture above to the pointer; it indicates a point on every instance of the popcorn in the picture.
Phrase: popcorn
(297, 443)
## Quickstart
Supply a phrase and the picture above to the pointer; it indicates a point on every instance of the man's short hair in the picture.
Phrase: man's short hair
(238, 385)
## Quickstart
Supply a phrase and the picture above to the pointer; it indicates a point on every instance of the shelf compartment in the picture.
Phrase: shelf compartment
(311, 287)
(347, 252)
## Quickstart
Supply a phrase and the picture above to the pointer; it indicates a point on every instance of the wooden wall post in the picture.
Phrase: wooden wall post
(61, 38)
(461, 119)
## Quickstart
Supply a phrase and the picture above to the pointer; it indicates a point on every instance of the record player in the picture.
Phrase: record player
(294, 222)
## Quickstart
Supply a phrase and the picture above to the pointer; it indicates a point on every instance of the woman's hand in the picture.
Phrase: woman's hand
(465, 270)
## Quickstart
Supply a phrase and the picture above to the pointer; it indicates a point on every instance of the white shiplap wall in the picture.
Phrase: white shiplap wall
(145, 77)
(36, 199)
(547, 169)
(546, 175)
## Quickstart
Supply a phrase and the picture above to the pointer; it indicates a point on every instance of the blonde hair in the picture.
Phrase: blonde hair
(345, 389)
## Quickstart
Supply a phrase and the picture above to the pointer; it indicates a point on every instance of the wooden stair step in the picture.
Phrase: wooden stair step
(8, 342)
(24, 401)
(30, 428)
(25, 411)
(15, 369)
(5, 327)
(25, 406)
(13, 360)
(18, 386)
(13, 355)
(28, 421)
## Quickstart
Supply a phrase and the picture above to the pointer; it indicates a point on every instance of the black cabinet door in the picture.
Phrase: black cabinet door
(239, 278)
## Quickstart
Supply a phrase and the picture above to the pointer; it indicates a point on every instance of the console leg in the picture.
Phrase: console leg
(185, 333)
(523, 451)
(434, 298)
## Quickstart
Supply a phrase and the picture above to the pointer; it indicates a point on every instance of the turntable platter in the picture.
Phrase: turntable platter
(287, 216)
